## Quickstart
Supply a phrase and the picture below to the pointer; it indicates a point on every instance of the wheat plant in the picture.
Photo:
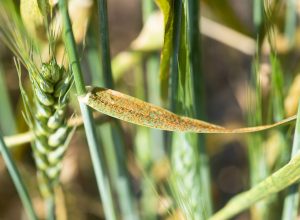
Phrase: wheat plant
(152, 146)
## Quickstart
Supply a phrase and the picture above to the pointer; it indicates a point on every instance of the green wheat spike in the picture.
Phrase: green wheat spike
(45, 112)
(48, 121)
(50, 125)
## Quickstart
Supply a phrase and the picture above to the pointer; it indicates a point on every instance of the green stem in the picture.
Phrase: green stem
(98, 164)
(94, 57)
(71, 49)
(93, 142)
(185, 87)
(16, 178)
(175, 57)
(174, 72)
(194, 56)
(105, 49)
(119, 174)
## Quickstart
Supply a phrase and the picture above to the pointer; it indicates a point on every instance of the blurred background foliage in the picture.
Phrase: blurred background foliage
(248, 51)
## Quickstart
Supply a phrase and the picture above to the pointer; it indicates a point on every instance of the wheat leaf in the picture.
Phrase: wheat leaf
(133, 110)
(166, 8)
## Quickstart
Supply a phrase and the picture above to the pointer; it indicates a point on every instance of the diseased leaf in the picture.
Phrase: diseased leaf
(136, 111)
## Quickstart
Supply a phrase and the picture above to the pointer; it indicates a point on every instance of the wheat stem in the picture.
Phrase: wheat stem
(89, 124)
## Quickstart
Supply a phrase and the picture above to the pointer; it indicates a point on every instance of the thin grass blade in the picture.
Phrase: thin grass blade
(17, 180)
